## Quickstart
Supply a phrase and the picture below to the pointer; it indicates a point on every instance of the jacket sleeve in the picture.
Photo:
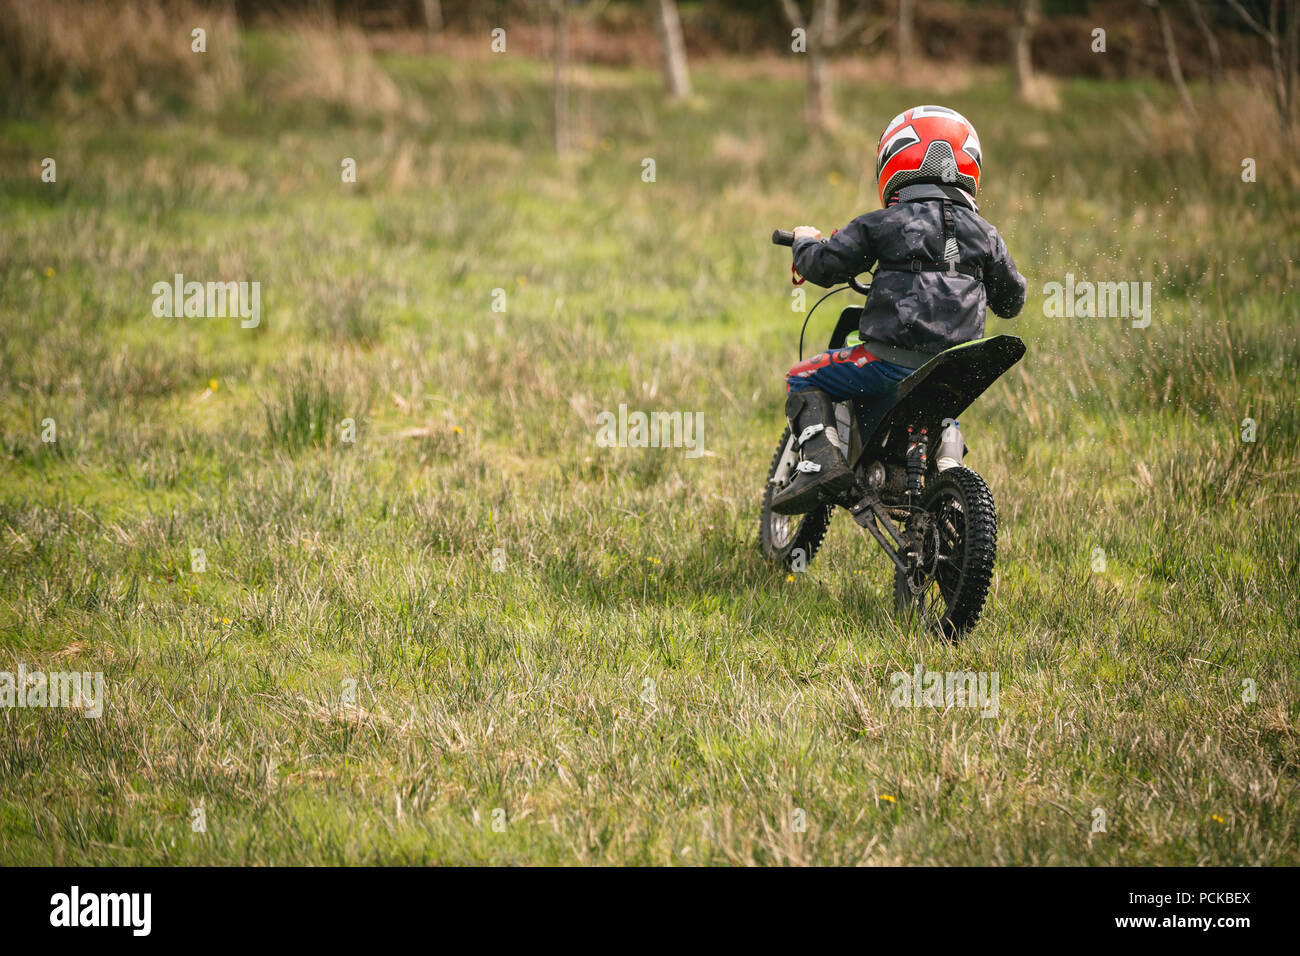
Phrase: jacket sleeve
(1003, 283)
(827, 262)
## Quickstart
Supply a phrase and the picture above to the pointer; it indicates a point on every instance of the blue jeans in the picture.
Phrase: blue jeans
(846, 373)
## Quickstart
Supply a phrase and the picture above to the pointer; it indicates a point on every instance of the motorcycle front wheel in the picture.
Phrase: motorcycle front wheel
(788, 540)
(954, 546)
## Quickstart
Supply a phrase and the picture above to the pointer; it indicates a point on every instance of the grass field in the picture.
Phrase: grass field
(624, 680)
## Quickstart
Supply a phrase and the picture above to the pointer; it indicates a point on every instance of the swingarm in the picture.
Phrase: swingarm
(869, 513)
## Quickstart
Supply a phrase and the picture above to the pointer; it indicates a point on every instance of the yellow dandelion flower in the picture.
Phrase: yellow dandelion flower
(885, 796)
(457, 429)
(213, 384)
(1216, 818)
(49, 272)
(789, 577)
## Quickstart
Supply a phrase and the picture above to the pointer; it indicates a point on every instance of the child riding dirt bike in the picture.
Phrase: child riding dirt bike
(938, 264)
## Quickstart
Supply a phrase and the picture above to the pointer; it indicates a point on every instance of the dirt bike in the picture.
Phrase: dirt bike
(932, 516)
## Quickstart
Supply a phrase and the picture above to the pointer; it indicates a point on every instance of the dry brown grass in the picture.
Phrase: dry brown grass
(118, 57)
(121, 58)
(1041, 92)
(332, 63)
(1236, 122)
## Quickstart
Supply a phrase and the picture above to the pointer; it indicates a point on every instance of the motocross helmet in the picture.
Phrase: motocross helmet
(928, 144)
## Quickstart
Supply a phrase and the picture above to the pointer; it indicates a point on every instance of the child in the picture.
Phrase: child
(938, 265)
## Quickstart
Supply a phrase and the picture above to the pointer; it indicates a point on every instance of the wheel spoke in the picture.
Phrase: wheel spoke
(947, 521)
(948, 580)
(940, 571)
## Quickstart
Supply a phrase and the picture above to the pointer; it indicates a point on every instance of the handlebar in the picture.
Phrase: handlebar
(785, 237)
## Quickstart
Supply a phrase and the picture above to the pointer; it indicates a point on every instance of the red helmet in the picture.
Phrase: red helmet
(928, 144)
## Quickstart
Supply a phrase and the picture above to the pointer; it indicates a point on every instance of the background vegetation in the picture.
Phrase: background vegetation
(636, 686)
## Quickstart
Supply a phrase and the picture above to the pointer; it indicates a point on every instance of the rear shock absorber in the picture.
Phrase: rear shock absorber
(916, 460)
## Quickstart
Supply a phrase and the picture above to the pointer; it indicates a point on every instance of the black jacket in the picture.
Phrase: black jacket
(926, 311)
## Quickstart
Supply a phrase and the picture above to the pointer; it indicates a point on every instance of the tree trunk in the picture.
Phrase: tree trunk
(821, 34)
(561, 59)
(1292, 54)
(1211, 42)
(432, 10)
(1281, 68)
(672, 49)
(819, 107)
(819, 110)
(1282, 56)
(1171, 55)
(906, 22)
(1022, 62)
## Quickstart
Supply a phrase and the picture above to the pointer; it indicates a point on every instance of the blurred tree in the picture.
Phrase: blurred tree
(1022, 35)
(672, 48)
(560, 59)
(1171, 57)
(431, 11)
(906, 30)
(822, 32)
(1282, 51)
(1211, 41)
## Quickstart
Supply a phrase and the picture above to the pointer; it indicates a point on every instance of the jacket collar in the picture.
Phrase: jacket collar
(923, 192)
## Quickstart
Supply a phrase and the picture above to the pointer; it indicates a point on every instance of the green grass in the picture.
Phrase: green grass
(526, 689)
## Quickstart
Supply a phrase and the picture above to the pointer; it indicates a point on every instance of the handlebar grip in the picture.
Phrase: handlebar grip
(782, 237)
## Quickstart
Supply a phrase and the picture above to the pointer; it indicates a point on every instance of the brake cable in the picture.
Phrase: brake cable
(810, 315)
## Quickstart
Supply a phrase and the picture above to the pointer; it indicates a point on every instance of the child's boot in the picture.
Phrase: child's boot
(822, 472)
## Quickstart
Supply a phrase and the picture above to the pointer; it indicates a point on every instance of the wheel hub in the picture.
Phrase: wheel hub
(923, 556)
(779, 526)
